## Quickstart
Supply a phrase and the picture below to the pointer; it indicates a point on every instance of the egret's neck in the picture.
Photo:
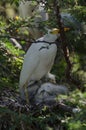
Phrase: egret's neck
(50, 37)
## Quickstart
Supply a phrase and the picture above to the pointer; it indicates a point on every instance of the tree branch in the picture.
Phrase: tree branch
(64, 45)
(63, 39)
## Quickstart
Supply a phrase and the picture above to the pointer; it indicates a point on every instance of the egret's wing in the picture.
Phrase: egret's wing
(31, 61)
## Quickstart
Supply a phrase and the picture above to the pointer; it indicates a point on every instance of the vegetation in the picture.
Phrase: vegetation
(11, 58)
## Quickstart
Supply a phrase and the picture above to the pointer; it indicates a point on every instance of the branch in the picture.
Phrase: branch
(64, 45)
(63, 39)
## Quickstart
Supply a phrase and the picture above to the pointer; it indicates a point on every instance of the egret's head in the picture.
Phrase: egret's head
(54, 34)
(56, 31)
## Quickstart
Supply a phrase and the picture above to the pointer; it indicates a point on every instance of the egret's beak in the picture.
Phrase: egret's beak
(57, 31)
(66, 29)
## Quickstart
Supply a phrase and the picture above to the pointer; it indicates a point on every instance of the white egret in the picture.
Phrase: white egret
(38, 60)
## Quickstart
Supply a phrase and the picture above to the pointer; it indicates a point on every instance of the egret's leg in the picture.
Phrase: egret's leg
(22, 93)
(26, 92)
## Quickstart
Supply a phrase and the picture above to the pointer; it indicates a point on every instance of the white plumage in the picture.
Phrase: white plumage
(38, 60)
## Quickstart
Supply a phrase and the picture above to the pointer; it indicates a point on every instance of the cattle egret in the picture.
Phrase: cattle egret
(38, 61)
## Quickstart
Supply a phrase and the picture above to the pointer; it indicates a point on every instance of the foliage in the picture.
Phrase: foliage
(10, 64)
(72, 3)
(47, 118)
(11, 59)
(78, 121)
(79, 12)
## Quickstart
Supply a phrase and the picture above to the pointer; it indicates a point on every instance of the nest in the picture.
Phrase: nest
(12, 109)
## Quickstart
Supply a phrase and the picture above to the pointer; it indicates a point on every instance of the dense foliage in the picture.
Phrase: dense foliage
(11, 59)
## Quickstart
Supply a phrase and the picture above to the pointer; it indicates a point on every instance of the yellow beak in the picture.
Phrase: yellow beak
(66, 29)
(57, 31)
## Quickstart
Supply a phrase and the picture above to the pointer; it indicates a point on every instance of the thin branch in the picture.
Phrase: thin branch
(64, 45)
(63, 39)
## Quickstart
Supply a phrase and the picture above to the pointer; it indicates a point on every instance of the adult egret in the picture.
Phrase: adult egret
(38, 60)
